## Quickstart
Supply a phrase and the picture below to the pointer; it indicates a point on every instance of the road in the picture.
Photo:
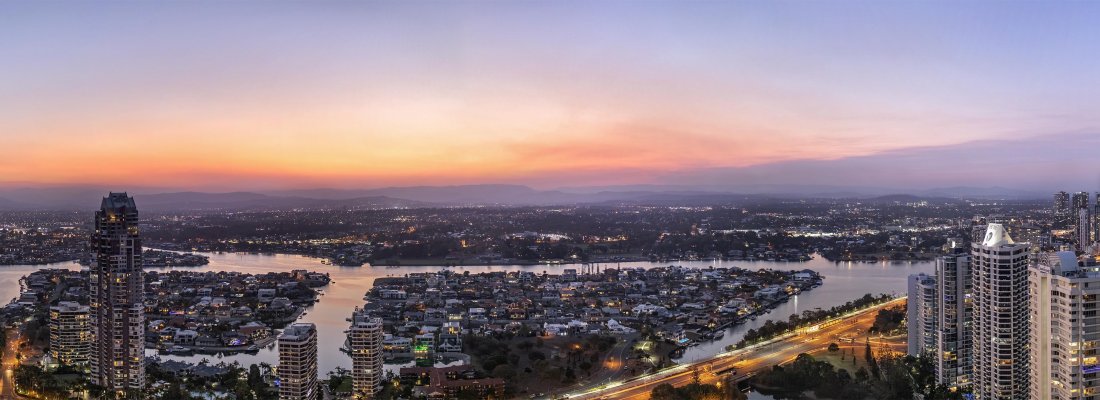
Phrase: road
(748, 361)
(614, 365)
(8, 362)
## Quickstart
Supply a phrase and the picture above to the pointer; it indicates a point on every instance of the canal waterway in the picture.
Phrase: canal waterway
(843, 282)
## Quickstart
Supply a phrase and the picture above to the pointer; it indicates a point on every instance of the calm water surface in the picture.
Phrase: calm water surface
(843, 282)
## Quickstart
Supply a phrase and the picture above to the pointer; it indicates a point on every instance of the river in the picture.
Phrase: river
(843, 282)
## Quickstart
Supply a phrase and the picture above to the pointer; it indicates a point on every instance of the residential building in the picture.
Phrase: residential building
(922, 314)
(365, 339)
(116, 289)
(1084, 229)
(451, 382)
(298, 362)
(1080, 201)
(954, 316)
(1096, 217)
(1065, 329)
(69, 334)
(1063, 217)
(1000, 337)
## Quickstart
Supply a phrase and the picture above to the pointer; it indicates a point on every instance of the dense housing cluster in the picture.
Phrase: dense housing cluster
(185, 312)
(430, 312)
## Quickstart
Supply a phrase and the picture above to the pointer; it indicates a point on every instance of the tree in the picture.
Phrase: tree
(585, 366)
(175, 392)
(536, 355)
(942, 392)
(504, 371)
(888, 320)
(693, 391)
(254, 377)
(900, 378)
(925, 373)
(570, 376)
(664, 391)
(869, 356)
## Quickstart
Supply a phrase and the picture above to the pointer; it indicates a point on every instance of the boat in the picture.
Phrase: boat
(178, 350)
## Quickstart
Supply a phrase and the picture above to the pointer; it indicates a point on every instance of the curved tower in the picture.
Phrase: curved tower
(1000, 337)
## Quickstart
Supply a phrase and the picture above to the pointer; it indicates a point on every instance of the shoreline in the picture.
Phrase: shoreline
(443, 264)
(351, 284)
(259, 345)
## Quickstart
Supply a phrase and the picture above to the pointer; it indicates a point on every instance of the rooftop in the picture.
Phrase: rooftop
(118, 201)
(298, 331)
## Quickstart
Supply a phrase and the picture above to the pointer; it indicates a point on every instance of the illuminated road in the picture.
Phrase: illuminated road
(7, 391)
(748, 361)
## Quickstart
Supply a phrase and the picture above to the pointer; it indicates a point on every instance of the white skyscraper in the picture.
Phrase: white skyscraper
(922, 314)
(365, 339)
(954, 317)
(1065, 330)
(1000, 337)
(298, 362)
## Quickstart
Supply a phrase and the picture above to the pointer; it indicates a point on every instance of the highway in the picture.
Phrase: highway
(748, 361)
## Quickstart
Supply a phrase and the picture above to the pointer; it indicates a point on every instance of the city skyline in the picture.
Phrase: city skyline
(550, 199)
(207, 96)
(419, 313)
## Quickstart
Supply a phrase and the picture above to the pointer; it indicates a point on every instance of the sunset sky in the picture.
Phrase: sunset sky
(253, 95)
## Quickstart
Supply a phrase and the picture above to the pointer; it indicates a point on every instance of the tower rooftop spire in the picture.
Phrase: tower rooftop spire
(115, 201)
(995, 235)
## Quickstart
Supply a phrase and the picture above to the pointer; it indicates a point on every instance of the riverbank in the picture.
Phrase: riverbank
(883, 256)
(212, 350)
(719, 331)
(478, 262)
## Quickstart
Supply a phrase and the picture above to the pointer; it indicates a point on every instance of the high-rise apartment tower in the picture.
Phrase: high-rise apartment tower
(298, 362)
(1065, 329)
(116, 301)
(922, 314)
(1000, 335)
(954, 316)
(365, 339)
(69, 334)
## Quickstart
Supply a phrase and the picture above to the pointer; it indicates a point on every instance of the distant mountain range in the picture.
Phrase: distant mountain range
(258, 201)
(507, 195)
(87, 198)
